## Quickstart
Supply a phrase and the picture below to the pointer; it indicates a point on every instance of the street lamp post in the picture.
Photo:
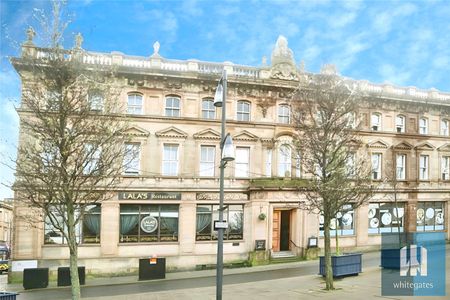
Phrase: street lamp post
(226, 155)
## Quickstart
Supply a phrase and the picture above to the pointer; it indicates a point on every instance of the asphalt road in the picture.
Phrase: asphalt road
(305, 268)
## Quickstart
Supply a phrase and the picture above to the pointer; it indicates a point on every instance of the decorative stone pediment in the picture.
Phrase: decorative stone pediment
(378, 144)
(425, 147)
(207, 134)
(172, 132)
(283, 63)
(245, 136)
(444, 148)
(137, 131)
(403, 146)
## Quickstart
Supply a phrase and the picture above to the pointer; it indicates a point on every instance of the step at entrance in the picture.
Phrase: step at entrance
(282, 254)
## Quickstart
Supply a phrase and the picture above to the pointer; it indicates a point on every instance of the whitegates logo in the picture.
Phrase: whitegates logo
(415, 263)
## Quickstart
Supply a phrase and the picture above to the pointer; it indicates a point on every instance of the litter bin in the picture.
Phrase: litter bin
(152, 268)
(64, 276)
(35, 278)
(7, 296)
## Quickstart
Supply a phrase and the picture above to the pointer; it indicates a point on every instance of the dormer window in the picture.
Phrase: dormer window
(423, 126)
(376, 122)
(400, 124)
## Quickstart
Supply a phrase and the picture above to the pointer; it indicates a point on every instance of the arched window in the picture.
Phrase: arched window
(376, 121)
(243, 110)
(284, 161)
(423, 126)
(172, 106)
(208, 109)
(400, 123)
(134, 104)
(284, 114)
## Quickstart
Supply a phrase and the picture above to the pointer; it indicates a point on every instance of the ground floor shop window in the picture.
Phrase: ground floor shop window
(383, 217)
(206, 214)
(87, 230)
(430, 216)
(148, 223)
(343, 223)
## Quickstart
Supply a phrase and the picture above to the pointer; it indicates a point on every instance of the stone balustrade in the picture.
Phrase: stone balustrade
(156, 62)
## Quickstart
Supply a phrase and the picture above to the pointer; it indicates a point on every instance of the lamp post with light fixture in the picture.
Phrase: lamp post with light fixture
(226, 155)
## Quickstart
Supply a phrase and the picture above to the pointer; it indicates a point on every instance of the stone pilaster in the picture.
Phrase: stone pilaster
(110, 228)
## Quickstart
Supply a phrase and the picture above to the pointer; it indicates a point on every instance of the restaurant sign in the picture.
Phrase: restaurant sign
(149, 196)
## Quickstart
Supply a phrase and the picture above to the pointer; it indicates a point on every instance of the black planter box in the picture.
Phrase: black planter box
(346, 264)
(7, 296)
(35, 278)
(64, 276)
(152, 268)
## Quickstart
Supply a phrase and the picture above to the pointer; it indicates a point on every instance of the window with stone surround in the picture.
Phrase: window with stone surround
(445, 167)
(208, 109)
(424, 167)
(242, 162)
(170, 160)
(375, 121)
(423, 126)
(400, 164)
(284, 114)
(131, 161)
(207, 213)
(135, 104)
(207, 160)
(172, 106)
(376, 166)
(444, 127)
(400, 124)
(243, 110)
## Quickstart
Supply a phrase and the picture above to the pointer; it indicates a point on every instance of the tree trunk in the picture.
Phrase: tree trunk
(73, 247)
(337, 237)
(328, 266)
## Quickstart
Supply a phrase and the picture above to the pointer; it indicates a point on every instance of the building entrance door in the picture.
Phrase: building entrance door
(281, 224)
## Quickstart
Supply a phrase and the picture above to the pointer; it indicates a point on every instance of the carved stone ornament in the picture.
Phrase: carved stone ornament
(174, 85)
(30, 35)
(283, 63)
(78, 41)
(227, 196)
(264, 103)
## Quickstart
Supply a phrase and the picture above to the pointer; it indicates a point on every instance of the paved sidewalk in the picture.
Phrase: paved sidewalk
(367, 285)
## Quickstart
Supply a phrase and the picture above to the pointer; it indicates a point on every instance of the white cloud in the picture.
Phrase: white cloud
(391, 74)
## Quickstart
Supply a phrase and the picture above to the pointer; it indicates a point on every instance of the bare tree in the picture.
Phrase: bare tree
(324, 110)
(72, 137)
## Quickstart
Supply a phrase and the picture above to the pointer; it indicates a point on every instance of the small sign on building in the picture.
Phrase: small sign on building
(220, 225)
(260, 244)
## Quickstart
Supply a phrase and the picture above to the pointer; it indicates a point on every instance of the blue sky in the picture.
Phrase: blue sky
(402, 42)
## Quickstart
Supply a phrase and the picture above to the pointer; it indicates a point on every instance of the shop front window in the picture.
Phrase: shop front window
(87, 230)
(206, 214)
(343, 222)
(148, 223)
(385, 217)
(430, 216)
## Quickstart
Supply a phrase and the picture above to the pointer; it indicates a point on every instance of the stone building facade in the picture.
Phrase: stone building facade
(169, 196)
